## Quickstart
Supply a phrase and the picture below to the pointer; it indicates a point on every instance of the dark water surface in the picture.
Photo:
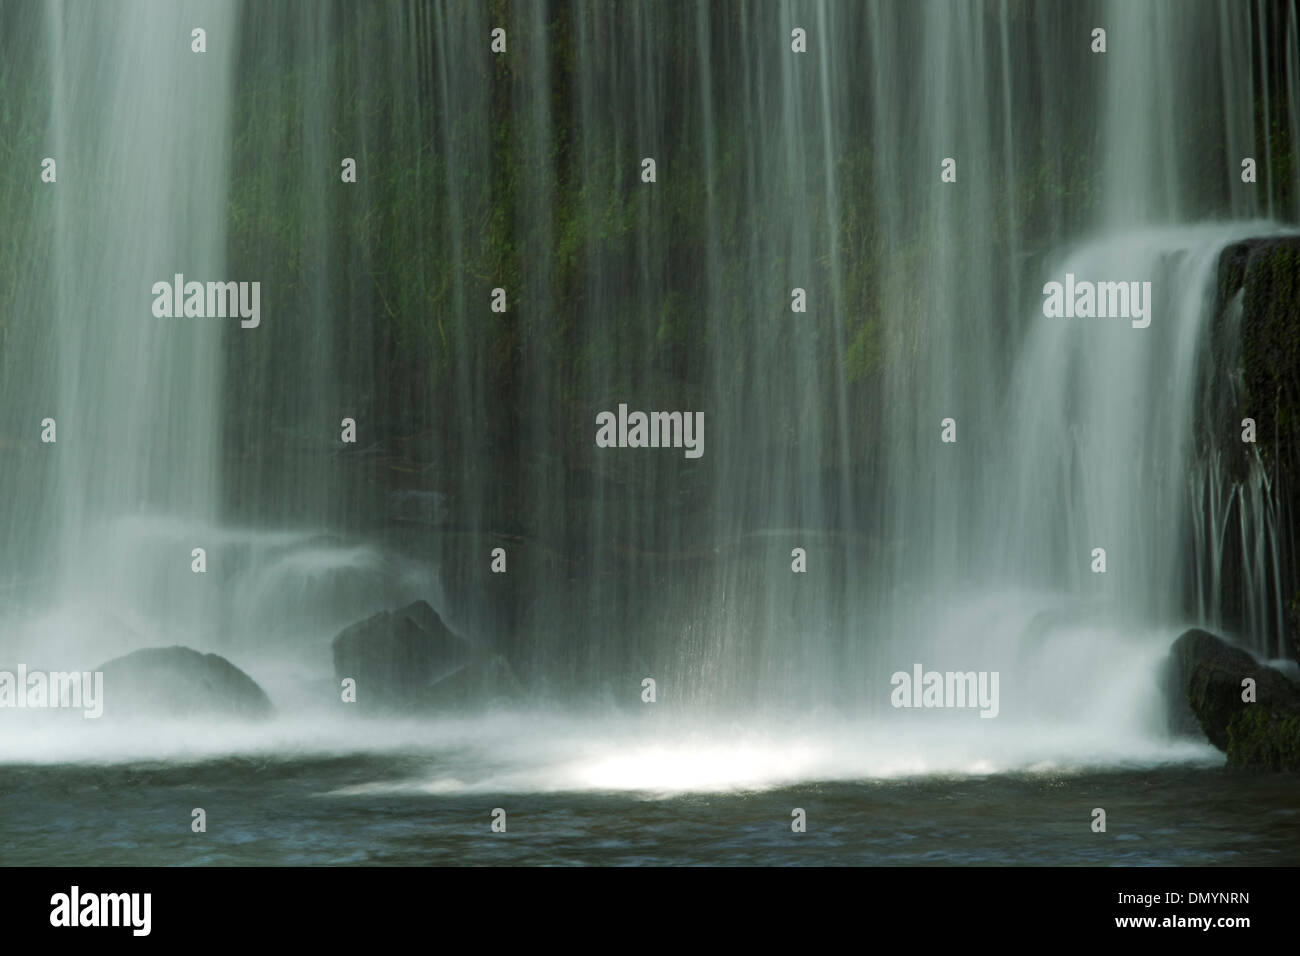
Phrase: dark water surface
(317, 811)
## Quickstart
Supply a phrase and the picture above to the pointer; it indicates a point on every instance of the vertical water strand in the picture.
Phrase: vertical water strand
(1010, 183)
(887, 85)
(30, 303)
(835, 82)
(648, 33)
(143, 124)
(1261, 55)
(541, 171)
(61, 517)
(458, 310)
(317, 181)
(785, 405)
(1238, 101)
(471, 213)
(705, 641)
(596, 178)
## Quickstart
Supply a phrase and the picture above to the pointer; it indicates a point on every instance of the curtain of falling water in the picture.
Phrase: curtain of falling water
(380, 291)
(137, 124)
(29, 337)
(775, 171)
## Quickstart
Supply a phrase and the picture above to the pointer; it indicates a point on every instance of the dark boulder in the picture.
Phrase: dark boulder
(1205, 677)
(486, 680)
(180, 682)
(409, 659)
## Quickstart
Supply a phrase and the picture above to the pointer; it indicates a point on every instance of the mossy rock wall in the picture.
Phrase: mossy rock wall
(1258, 377)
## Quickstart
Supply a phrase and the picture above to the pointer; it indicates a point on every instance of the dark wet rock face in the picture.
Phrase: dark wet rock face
(1256, 343)
(1205, 680)
(180, 682)
(409, 660)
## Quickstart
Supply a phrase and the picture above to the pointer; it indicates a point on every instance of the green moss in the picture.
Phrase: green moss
(1271, 349)
(865, 354)
(1264, 738)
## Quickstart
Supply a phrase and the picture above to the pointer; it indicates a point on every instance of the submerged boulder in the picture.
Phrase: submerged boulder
(1206, 687)
(409, 659)
(180, 682)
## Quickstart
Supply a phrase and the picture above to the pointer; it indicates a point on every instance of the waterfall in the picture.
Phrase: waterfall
(138, 130)
(840, 261)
